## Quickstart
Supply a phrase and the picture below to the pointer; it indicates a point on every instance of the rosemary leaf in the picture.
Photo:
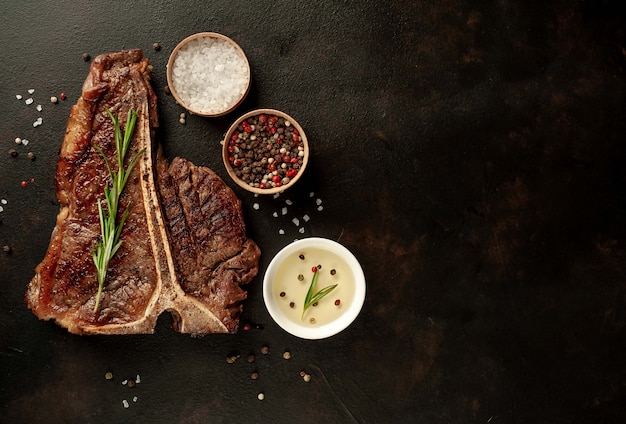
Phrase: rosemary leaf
(311, 297)
(111, 230)
(320, 294)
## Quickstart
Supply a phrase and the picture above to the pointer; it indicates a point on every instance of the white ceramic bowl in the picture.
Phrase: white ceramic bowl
(281, 287)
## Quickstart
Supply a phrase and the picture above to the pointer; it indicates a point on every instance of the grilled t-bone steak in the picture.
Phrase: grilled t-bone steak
(184, 245)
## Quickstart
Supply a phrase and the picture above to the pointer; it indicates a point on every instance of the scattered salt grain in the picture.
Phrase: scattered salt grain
(4, 201)
(311, 194)
(18, 96)
(31, 90)
(276, 195)
(283, 211)
(288, 202)
(275, 214)
(306, 218)
(124, 382)
(301, 230)
(320, 208)
(135, 398)
(138, 379)
(318, 201)
(54, 99)
(1, 209)
(39, 108)
(38, 122)
(210, 75)
(29, 101)
(295, 221)
(24, 142)
(125, 403)
(256, 206)
(281, 231)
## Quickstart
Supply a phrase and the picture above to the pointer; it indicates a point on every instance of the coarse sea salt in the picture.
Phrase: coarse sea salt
(209, 75)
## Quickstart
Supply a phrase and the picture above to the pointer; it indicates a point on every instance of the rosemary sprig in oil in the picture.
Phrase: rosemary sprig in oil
(311, 297)
(111, 229)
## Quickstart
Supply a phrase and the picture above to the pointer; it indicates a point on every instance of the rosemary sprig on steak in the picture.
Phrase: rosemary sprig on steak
(111, 229)
(311, 297)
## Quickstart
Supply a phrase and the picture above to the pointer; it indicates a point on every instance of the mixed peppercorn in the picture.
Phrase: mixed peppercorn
(266, 151)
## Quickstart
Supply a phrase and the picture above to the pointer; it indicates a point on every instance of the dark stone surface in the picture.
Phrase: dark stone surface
(470, 154)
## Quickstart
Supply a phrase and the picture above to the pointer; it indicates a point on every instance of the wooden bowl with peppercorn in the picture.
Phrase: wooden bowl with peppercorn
(265, 151)
(208, 74)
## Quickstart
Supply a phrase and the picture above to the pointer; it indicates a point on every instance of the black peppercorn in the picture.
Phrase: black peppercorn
(13, 153)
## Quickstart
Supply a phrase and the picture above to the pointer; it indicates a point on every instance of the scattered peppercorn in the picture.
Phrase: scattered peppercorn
(312, 320)
(306, 378)
(108, 375)
(167, 89)
(54, 99)
(251, 357)
(286, 355)
(86, 57)
(18, 140)
(315, 304)
(333, 271)
(6, 248)
(247, 326)
(261, 396)
(292, 305)
(319, 266)
(265, 349)
(314, 269)
(337, 302)
(31, 156)
(254, 375)
(301, 256)
(283, 294)
(300, 277)
(156, 46)
(63, 96)
(232, 358)
(132, 383)
(302, 373)
(13, 153)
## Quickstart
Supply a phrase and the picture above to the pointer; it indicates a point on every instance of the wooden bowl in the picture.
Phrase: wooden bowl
(176, 83)
(235, 148)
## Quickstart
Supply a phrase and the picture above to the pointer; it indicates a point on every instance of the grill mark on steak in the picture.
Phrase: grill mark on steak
(184, 247)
